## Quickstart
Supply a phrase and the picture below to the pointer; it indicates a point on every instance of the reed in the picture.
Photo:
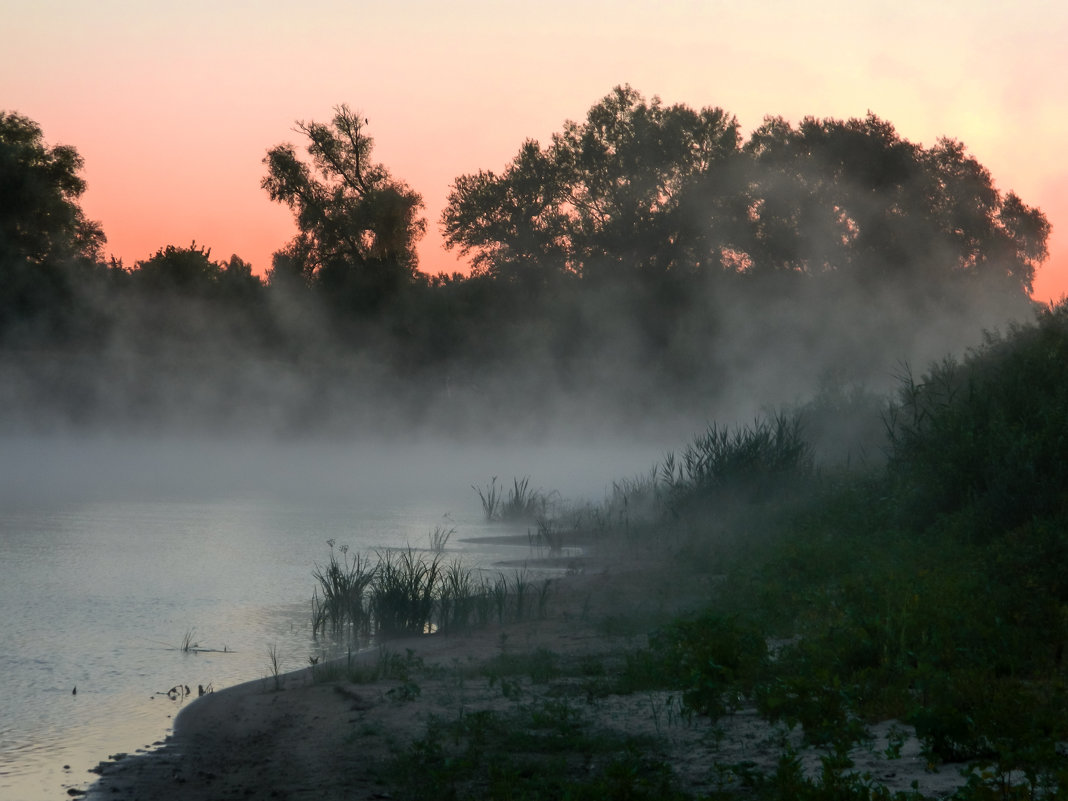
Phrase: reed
(491, 499)
(407, 592)
(274, 663)
(548, 535)
(498, 592)
(524, 503)
(519, 588)
(457, 598)
(403, 592)
(344, 583)
(439, 538)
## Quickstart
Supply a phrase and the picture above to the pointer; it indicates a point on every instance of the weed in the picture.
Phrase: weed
(274, 664)
(537, 750)
(439, 538)
(344, 584)
(491, 499)
(403, 592)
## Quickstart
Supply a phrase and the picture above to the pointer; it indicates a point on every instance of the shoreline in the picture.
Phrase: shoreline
(325, 733)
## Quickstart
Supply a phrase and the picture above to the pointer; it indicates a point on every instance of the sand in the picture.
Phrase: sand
(303, 738)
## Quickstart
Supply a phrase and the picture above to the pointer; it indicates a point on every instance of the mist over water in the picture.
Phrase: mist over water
(113, 548)
(181, 439)
(200, 495)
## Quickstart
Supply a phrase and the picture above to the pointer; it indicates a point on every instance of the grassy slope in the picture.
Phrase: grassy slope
(930, 589)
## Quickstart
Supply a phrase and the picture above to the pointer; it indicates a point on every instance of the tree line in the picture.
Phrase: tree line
(649, 251)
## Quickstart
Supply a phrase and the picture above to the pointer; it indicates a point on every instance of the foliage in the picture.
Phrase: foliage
(640, 187)
(48, 249)
(603, 196)
(638, 255)
(357, 224)
(40, 220)
(545, 749)
(757, 459)
(711, 654)
(929, 590)
(344, 582)
(987, 434)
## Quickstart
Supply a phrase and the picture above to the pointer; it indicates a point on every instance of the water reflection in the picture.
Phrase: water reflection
(111, 597)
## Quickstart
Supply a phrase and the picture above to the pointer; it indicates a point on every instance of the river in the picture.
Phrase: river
(116, 552)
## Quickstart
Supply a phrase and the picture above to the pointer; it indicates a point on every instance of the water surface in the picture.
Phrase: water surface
(112, 553)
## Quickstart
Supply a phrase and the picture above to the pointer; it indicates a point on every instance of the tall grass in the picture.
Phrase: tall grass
(439, 538)
(344, 583)
(404, 591)
(491, 499)
(408, 592)
(522, 502)
(749, 462)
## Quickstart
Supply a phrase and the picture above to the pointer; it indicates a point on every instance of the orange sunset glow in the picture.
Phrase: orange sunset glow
(173, 106)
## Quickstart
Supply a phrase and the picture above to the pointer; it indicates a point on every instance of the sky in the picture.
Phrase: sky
(174, 105)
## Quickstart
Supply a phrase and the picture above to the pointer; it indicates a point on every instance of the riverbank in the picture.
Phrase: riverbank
(400, 720)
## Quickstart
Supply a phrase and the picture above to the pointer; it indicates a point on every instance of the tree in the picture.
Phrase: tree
(640, 188)
(357, 225)
(179, 271)
(40, 219)
(604, 198)
(43, 231)
(852, 197)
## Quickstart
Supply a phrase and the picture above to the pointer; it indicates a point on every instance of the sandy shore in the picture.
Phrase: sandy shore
(312, 739)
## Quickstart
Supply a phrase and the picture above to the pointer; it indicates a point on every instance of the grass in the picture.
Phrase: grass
(544, 749)
(927, 589)
(344, 584)
(403, 591)
(274, 664)
(439, 538)
(490, 496)
(388, 664)
(522, 503)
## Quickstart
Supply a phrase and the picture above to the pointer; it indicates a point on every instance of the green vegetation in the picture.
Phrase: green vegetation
(539, 750)
(632, 264)
(644, 259)
(522, 503)
(928, 590)
(932, 591)
(409, 592)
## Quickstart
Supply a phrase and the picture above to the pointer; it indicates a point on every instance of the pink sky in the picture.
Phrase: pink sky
(174, 106)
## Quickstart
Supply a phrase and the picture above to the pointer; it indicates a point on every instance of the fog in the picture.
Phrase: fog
(48, 470)
(574, 416)
(629, 289)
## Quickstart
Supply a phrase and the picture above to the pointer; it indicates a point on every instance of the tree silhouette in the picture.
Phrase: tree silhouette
(602, 199)
(179, 271)
(853, 197)
(640, 188)
(44, 234)
(357, 225)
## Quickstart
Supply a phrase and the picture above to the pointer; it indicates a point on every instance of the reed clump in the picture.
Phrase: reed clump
(522, 502)
(405, 591)
(344, 583)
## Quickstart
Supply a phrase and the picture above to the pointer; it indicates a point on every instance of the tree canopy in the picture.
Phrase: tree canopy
(43, 231)
(40, 219)
(357, 225)
(647, 257)
(603, 195)
(643, 187)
